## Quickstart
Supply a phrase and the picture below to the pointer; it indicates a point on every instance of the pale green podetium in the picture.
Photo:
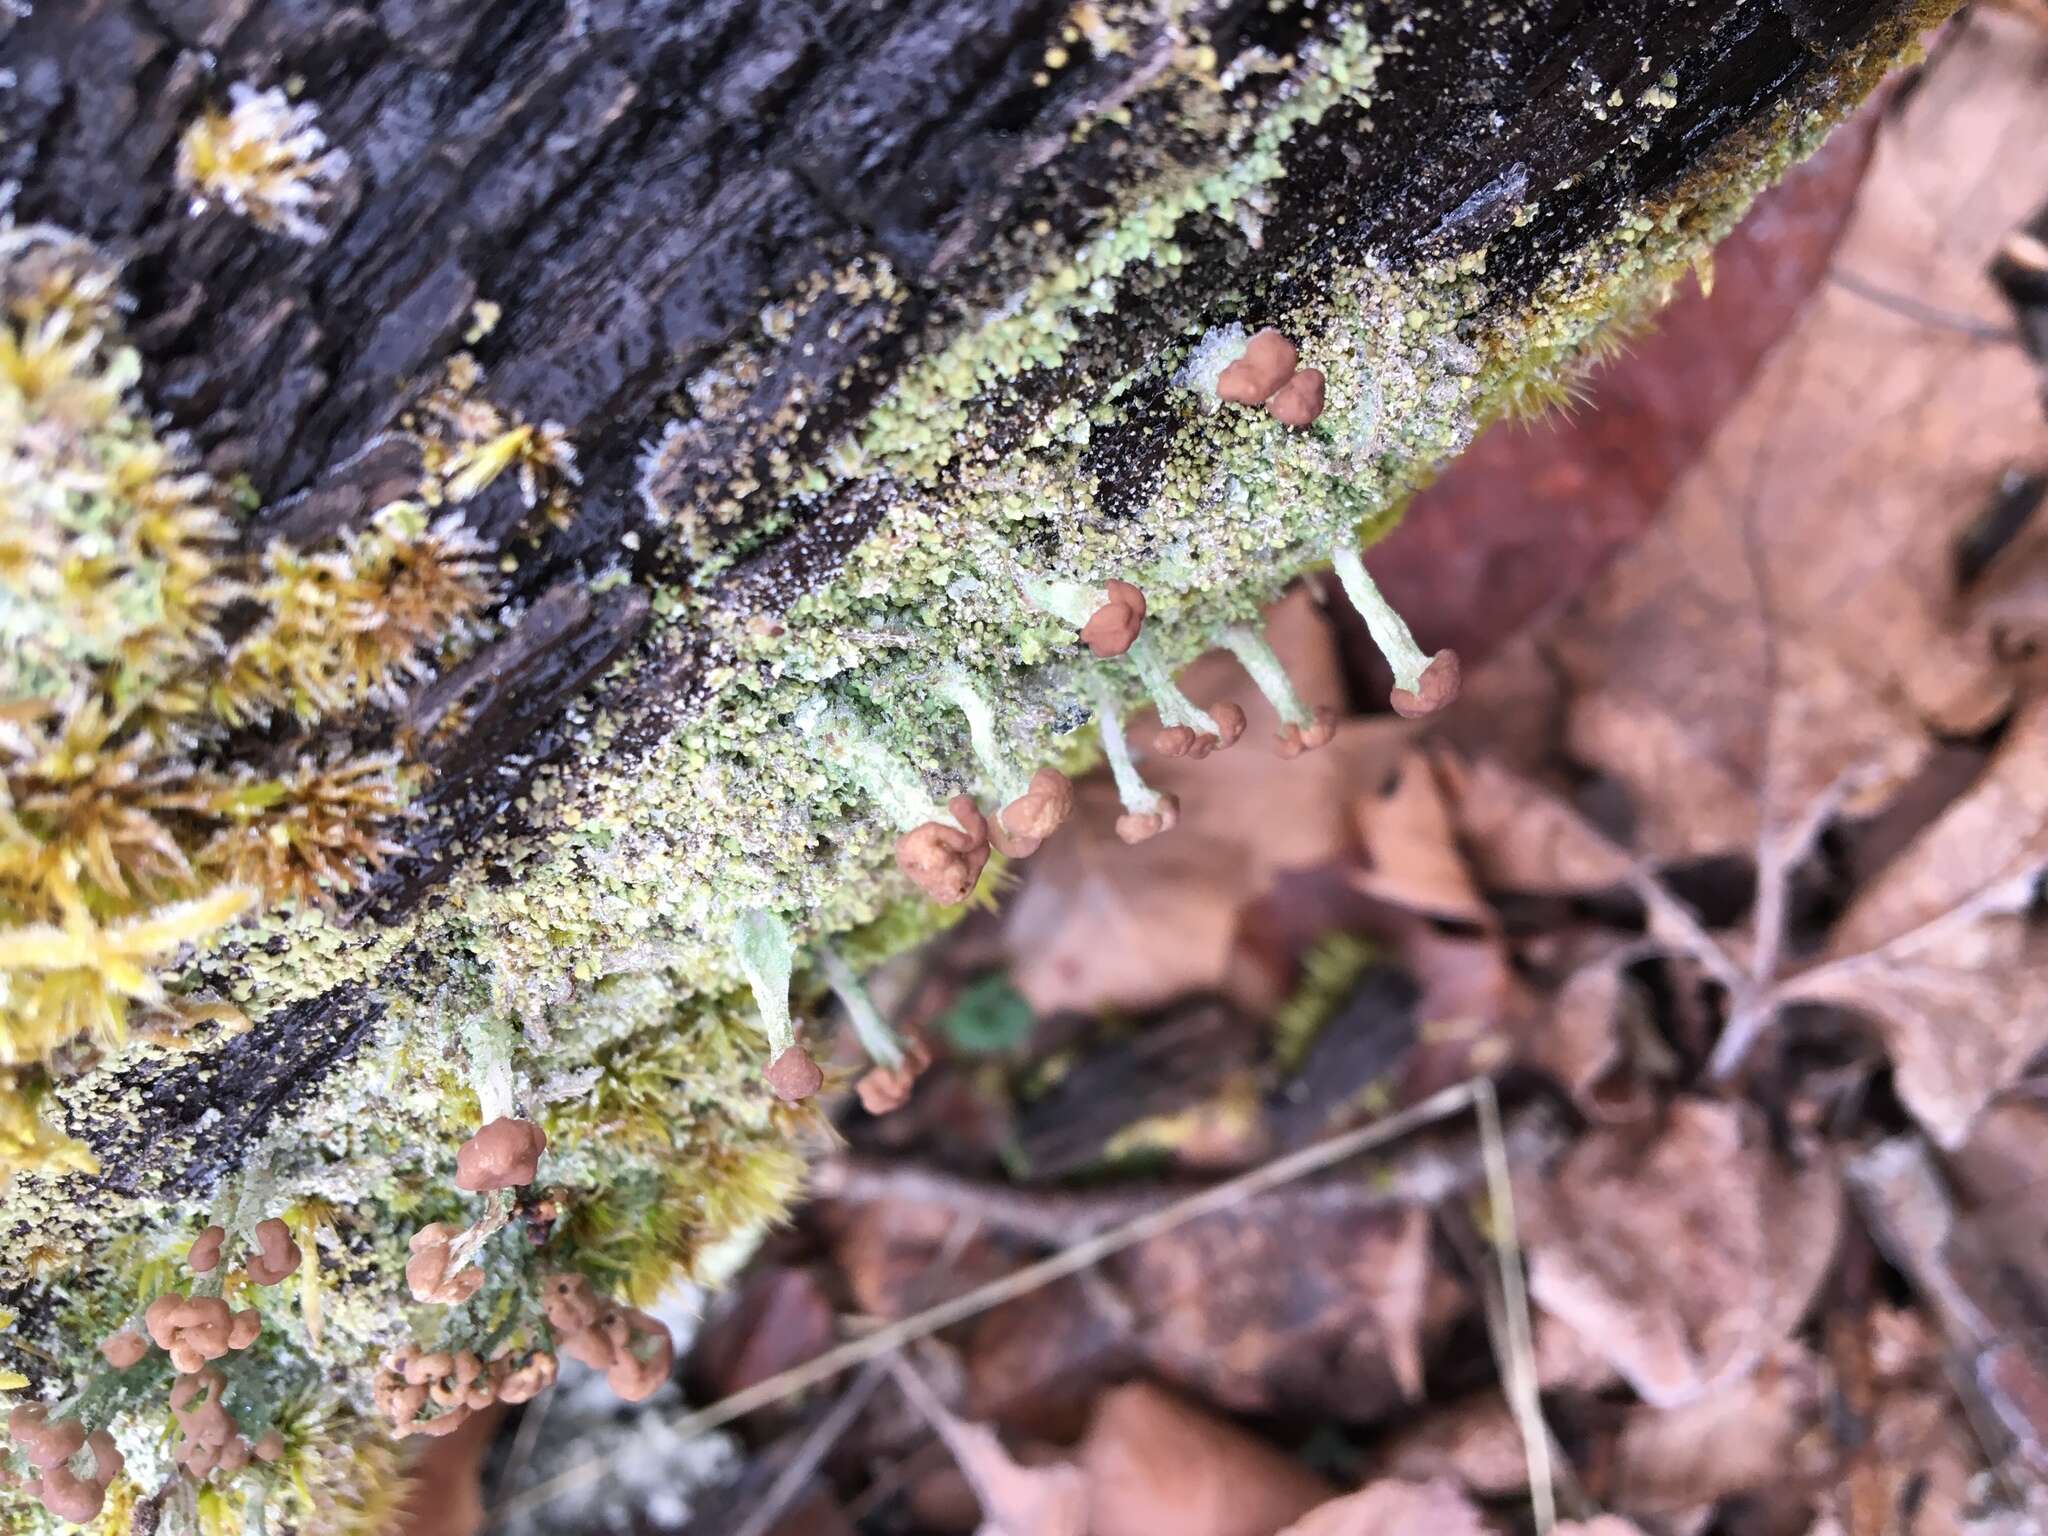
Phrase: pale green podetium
(876, 1037)
(1146, 811)
(1175, 707)
(1262, 664)
(1390, 631)
(893, 785)
(965, 695)
(1071, 602)
(762, 946)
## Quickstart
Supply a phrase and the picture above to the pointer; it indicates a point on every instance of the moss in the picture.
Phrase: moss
(1330, 973)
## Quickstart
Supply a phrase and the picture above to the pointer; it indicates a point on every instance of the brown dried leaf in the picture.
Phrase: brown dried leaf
(781, 1318)
(1789, 622)
(1531, 512)
(1684, 1253)
(1474, 1442)
(1741, 1437)
(1017, 1500)
(2010, 602)
(1584, 1042)
(1936, 949)
(1521, 837)
(1411, 846)
(1394, 1509)
(1999, 1179)
(1155, 1464)
(1289, 1305)
(1924, 1460)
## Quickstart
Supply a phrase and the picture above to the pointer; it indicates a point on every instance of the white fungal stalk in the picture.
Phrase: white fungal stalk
(1262, 664)
(876, 1037)
(1390, 631)
(959, 690)
(1072, 602)
(1139, 798)
(762, 945)
(885, 777)
(487, 1044)
(1175, 707)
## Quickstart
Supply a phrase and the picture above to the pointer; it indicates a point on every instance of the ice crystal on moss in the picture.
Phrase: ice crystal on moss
(264, 158)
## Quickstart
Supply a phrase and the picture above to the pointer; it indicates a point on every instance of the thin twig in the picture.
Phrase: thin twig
(816, 1447)
(526, 1437)
(1922, 313)
(1090, 1251)
(911, 1383)
(1518, 1365)
(1420, 1175)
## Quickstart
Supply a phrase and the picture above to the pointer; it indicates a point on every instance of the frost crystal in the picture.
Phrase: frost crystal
(265, 158)
(1216, 351)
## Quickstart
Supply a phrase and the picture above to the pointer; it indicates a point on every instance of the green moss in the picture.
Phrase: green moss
(1330, 973)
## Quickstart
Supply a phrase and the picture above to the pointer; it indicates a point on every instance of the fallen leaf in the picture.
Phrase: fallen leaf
(1412, 856)
(1782, 652)
(1099, 925)
(781, 1318)
(1585, 1041)
(1519, 836)
(1808, 552)
(1998, 1178)
(1394, 1509)
(1926, 1463)
(887, 1251)
(1566, 1361)
(1531, 511)
(1474, 1010)
(1741, 1437)
(1289, 1306)
(1033, 1360)
(1683, 1252)
(1938, 951)
(1155, 1463)
(1474, 1442)
(1049, 1500)
(2010, 601)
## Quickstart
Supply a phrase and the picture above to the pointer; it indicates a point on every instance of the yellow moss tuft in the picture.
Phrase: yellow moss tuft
(353, 625)
(310, 834)
(28, 1142)
(264, 158)
(76, 977)
(467, 443)
(82, 799)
